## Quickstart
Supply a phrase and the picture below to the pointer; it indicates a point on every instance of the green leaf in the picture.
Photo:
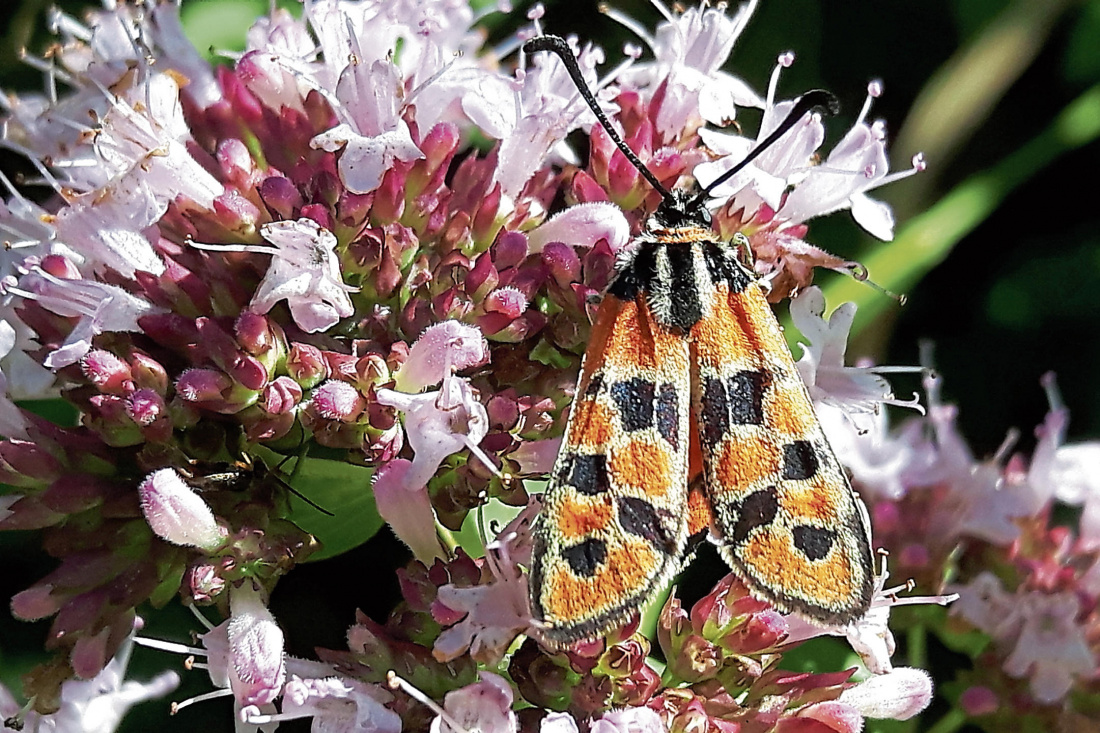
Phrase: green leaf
(221, 26)
(489, 519)
(545, 353)
(57, 411)
(820, 654)
(341, 488)
(970, 643)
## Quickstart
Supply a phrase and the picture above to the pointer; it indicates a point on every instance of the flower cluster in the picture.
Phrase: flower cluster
(1026, 578)
(368, 241)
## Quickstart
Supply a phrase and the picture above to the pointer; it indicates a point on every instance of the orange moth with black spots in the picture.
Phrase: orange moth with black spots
(687, 370)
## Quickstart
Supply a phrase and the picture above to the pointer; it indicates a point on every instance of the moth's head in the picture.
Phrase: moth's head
(679, 208)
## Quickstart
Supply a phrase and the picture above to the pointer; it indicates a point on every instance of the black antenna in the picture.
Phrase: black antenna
(815, 99)
(558, 45)
(811, 100)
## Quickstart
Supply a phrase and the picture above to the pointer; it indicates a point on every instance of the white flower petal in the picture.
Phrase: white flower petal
(874, 216)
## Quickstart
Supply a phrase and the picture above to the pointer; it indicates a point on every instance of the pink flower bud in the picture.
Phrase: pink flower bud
(144, 406)
(148, 373)
(106, 371)
(306, 365)
(257, 334)
(234, 212)
(389, 198)
(584, 225)
(236, 162)
(281, 396)
(510, 250)
(507, 301)
(281, 196)
(761, 631)
(586, 189)
(336, 400)
(481, 278)
(440, 144)
(372, 369)
(249, 372)
(978, 700)
(484, 226)
(176, 513)
(202, 385)
(562, 262)
(821, 717)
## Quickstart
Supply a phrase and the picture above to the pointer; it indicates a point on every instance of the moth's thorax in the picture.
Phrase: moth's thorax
(677, 270)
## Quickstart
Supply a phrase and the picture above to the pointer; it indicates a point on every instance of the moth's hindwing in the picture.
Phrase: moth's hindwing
(790, 523)
(614, 523)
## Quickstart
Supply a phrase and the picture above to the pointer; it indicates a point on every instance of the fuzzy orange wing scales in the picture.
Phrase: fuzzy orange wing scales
(789, 522)
(614, 520)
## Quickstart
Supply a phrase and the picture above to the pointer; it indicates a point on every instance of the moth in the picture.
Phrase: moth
(687, 370)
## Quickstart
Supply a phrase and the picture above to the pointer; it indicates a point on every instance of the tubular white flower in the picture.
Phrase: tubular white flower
(548, 108)
(855, 390)
(484, 706)
(100, 307)
(178, 514)
(256, 659)
(441, 350)
(583, 225)
(96, 705)
(304, 271)
(896, 695)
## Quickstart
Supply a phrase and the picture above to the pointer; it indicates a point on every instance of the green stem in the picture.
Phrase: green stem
(917, 646)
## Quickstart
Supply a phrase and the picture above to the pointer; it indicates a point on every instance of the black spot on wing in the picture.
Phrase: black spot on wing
(639, 517)
(746, 396)
(799, 460)
(757, 510)
(668, 418)
(715, 412)
(585, 558)
(634, 398)
(589, 474)
(814, 542)
(685, 307)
